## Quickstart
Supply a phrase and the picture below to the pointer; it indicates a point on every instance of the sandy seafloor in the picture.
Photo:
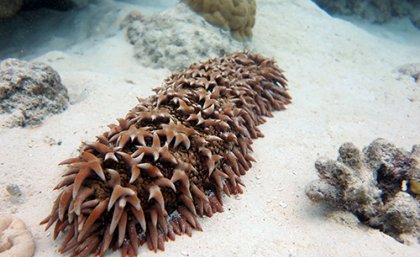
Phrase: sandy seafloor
(345, 86)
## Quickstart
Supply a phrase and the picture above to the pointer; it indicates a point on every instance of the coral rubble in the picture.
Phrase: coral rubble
(170, 160)
(176, 37)
(378, 185)
(237, 16)
(15, 239)
(29, 91)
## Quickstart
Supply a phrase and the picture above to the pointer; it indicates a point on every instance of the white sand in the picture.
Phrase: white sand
(345, 86)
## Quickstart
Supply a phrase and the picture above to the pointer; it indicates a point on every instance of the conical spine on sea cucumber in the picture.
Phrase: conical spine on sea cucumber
(170, 160)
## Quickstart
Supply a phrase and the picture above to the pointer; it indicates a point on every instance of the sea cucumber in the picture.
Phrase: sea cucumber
(169, 160)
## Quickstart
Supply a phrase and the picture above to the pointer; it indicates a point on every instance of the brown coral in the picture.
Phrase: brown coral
(238, 16)
(169, 160)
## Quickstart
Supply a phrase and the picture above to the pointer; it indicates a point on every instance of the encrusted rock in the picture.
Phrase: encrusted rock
(399, 215)
(29, 91)
(176, 37)
(378, 11)
(378, 185)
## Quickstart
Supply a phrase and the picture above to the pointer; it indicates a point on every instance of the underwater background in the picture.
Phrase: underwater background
(68, 69)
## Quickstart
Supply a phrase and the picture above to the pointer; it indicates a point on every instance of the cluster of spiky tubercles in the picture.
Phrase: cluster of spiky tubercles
(169, 160)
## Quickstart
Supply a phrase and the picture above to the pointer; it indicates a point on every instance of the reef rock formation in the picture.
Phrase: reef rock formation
(15, 239)
(237, 16)
(29, 91)
(379, 11)
(379, 186)
(9, 8)
(175, 38)
(169, 160)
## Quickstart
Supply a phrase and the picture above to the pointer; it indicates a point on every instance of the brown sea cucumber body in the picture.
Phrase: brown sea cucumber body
(169, 160)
